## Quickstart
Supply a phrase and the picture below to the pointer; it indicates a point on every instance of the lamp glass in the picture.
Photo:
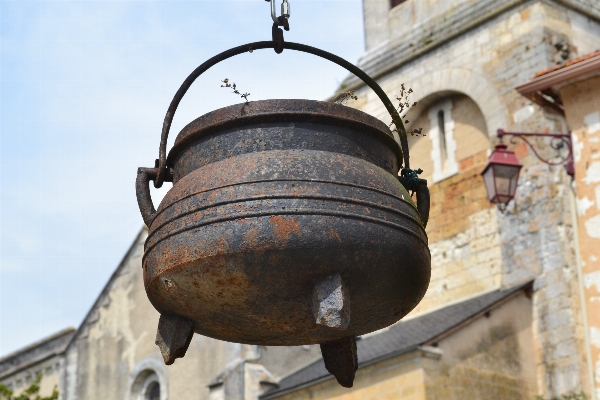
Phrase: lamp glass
(488, 180)
(505, 177)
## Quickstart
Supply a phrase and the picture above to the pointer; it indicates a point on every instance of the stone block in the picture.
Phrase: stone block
(487, 255)
(455, 280)
(455, 267)
(460, 252)
(554, 291)
(462, 239)
(566, 348)
(479, 244)
(557, 319)
(553, 276)
(553, 262)
(480, 272)
(559, 335)
(483, 37)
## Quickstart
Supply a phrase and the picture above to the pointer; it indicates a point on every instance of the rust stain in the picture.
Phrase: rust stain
(221, 246)
(283, 228)
(334, 235)
(251, 238)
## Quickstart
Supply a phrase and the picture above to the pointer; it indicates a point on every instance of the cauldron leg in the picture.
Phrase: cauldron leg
(173, 336)
(341, 359)
(331, 303)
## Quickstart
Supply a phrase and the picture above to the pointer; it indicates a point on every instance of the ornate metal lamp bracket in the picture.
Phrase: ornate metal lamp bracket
(557, 142)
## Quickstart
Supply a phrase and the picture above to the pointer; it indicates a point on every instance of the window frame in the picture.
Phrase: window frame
(144, 375)
(444, 160)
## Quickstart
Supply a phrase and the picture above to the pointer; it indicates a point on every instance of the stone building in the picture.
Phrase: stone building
(19, 369)
(512, 307)
(574, 86)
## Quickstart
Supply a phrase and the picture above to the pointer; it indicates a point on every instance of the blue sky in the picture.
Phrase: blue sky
(84, 86)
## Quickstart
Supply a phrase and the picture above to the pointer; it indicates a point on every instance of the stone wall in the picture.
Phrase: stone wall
(487, 359)
(482, 50)
(485, 64)
(416, 27)
(464, 238)
(538, 242)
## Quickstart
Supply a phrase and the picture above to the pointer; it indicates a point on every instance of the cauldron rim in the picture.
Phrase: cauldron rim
(282, 110)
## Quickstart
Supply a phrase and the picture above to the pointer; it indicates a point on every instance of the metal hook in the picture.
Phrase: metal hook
(277, 33)
(285, 11)
(274, 12)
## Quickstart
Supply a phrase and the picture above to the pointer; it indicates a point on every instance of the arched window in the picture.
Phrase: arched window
(148, 381)
(441, 134)
(394, 3)
(146, 386)
(152, 391)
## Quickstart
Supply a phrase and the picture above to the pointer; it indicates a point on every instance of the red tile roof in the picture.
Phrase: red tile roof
(567, 63)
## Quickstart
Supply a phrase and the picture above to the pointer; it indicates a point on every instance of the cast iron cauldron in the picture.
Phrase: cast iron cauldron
(286, 225)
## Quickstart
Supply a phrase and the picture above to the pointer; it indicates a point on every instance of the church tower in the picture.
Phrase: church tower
(463, 60)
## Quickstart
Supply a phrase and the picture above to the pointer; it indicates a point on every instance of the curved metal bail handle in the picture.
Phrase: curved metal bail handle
(142, 192)
(162, 153)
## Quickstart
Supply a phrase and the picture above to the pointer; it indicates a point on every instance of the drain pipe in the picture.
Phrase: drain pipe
(578, 262)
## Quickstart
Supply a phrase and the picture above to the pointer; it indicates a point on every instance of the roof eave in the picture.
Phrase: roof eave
(533, 89)
(330, 377)
(106, 287)
(526, 287)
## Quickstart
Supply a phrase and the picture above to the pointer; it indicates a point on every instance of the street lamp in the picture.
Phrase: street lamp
(501, 175)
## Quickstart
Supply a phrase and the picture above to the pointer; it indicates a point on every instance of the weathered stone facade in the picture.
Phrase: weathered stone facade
(481, 50)
(18, 370)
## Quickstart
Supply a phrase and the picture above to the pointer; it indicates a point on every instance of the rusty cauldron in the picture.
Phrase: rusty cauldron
(286, 224)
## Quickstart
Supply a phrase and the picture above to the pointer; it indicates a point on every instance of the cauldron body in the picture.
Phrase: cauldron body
(271, 197)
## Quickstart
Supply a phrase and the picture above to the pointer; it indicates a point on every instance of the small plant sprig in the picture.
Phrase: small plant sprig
(29, 393)
(403, 106)
(232, 85)
(344, 96)
(572, 396)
